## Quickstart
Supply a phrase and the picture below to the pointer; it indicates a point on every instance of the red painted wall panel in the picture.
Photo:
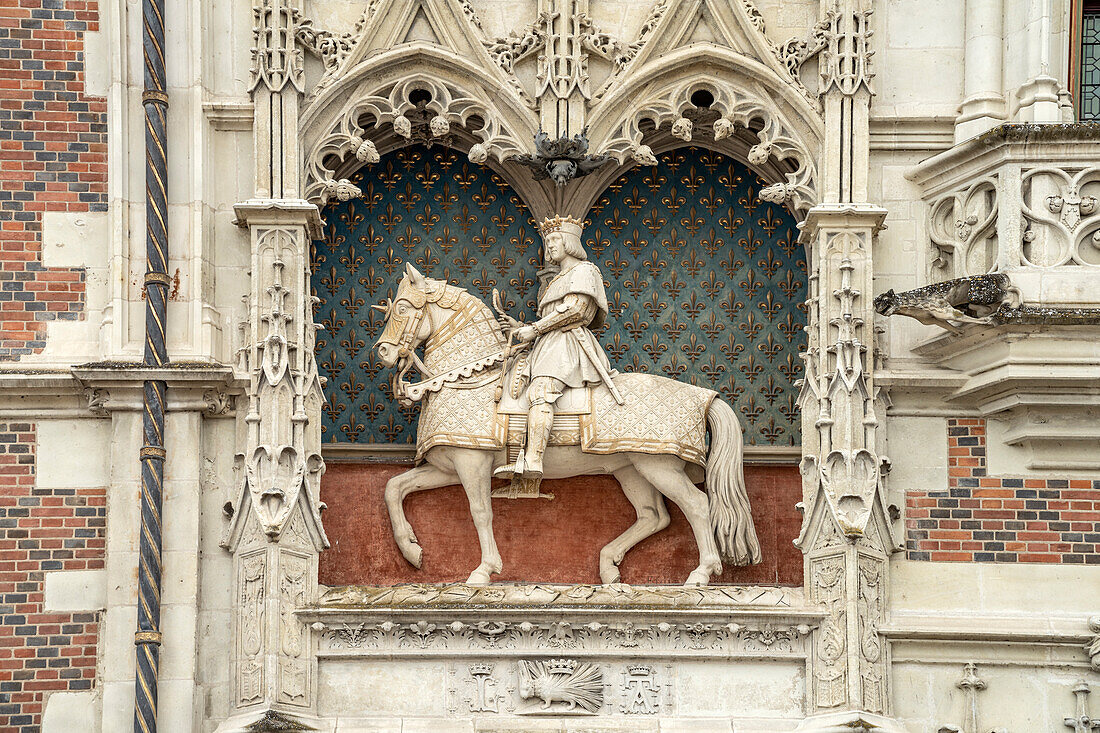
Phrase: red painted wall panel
(554, 541)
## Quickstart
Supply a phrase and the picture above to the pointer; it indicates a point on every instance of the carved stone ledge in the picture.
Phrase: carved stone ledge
(197, 387)
(604, 621)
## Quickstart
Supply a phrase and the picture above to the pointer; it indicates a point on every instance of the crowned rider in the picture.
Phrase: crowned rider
(565, 352)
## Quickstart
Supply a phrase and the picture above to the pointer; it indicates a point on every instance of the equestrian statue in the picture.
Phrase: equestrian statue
(526, 401)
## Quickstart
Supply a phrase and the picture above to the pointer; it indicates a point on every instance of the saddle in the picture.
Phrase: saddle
(511, 411)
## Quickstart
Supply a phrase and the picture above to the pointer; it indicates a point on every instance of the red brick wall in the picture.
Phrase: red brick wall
(53, 157)
(982, 518)
(42, 530)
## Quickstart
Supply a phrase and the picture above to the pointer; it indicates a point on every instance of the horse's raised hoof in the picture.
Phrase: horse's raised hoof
(413, 553)
(480, 576)
(698, 578)
(609, 574)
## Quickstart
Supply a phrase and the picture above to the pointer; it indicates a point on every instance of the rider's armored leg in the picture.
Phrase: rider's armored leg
(544, 391)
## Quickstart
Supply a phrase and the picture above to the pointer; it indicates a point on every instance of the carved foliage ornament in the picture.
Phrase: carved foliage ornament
(392, 105)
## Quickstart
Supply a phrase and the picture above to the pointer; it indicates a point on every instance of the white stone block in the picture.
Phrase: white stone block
(74, 454)
(368, 725)
(924, 468)
(74, 239)
(75, 591)
(68, 712)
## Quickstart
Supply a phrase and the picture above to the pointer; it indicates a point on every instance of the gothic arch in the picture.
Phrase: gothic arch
(765, 121)
(479, 111)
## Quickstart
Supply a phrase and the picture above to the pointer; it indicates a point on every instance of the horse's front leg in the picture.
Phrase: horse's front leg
(475, 470)
(424, 476)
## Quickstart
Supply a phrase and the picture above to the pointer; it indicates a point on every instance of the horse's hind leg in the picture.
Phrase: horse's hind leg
(667, 474)
(652, 518)
(474, 469)
(424, 476)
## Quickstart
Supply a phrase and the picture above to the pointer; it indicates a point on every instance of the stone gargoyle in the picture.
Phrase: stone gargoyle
(975, 299)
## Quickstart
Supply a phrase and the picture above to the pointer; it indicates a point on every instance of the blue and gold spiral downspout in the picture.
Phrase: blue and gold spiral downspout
(154, 99)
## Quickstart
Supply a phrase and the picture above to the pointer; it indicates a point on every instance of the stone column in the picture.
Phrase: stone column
(983, 106)
(1039, 96)
(275, 533)
(845, 534)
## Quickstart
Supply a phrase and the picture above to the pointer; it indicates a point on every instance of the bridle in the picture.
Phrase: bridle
(400, 332)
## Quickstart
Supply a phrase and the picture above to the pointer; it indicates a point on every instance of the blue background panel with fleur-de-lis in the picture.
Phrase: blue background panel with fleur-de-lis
(705, 282)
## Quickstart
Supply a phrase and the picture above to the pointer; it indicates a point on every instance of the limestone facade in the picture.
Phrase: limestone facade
(946, 479)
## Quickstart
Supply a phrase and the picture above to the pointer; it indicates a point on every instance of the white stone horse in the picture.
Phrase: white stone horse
(464, 348)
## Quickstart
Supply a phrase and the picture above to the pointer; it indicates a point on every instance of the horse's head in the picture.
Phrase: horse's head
(406, 328)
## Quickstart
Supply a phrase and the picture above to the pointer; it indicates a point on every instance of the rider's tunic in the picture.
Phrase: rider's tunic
(563, 351)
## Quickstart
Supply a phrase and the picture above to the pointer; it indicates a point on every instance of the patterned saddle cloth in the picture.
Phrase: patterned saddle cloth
(660, 415)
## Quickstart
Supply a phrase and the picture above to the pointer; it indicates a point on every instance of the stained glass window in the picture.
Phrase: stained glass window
(705, 281)
(1089, 107)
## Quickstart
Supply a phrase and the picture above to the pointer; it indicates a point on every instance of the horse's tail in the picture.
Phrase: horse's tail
(729, 503)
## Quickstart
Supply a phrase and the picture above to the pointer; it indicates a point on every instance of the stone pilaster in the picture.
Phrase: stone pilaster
(846, 533)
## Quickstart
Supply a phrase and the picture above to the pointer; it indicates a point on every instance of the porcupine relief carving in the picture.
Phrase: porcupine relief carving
(553, 681)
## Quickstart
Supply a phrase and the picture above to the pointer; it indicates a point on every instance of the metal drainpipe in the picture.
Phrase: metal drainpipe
(154, 99)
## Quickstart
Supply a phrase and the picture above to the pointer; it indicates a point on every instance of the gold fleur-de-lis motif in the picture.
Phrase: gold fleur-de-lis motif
(712, 369)
(464, 219)
(635, 243)
(749, 202)
(616, 347)
(353, 344)
(711, 285)
(408, 239)
(389, 218)
(352, 386)
(390, 176)
(790, 329)
(750, 284)
(408, 157)
(711, 201)
(427, 177)
(353, 302)
(371, 366)
(371, 196)
(521, 284)
(332, 365)
(655, 347)
(408, 197)
(427, 218)
(731, 179)
(427, 261)
(654, 305)
(615, 222)
(731, 222)
(674, 369)
(352, 260)
(770, 307)
(674, 328)
(616, 265)
(712, 326)
(635, 284)
(370, 240)
(675, 242)
(751, 368)
(673, 201)
(483, 240)
(635, 201)
(693, 349)
(332, 281)
(790, 368)
(597, 243)
(446, 240)
(598, 207)
(673, 159)
(693, 306)
(484, 282)
(333, 322)
(752, 411)
(333, 409)
(654, 180)
(732, 389)
(731, 264)
(789, 285)
(693, 263)
(770, 264)
(464, 262)
(520, 242)
(770, 347)
(636, 327)
(789, 409)
(445, 197)
(502, 262)
(389, 430)
(484, 198)
(771, 390)
(770, 222)
(750, 243)
(654, 264)
(693, 181)
(616, 306)
(751, 327)
(372, 407)
(351, 217)
(771, 431)
(731, 305)
(654, 222)
(789, 243)
(502, 220)
(466, 177)
(673, 285)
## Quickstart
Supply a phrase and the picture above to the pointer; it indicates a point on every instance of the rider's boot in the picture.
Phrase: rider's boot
(540, 419)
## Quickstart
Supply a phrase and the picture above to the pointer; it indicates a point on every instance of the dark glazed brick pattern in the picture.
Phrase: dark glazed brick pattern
(53, 158)
(981, 518)
(42, 530)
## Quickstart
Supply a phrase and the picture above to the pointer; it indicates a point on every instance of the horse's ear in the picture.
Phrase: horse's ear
(414, 274)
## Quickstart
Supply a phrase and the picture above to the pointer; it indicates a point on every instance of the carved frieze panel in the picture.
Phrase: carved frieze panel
(1061, 218)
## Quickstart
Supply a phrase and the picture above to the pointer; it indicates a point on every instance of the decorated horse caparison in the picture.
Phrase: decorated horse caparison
(492, 405)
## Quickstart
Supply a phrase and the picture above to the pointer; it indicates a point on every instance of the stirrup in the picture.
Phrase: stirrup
(510, 470)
